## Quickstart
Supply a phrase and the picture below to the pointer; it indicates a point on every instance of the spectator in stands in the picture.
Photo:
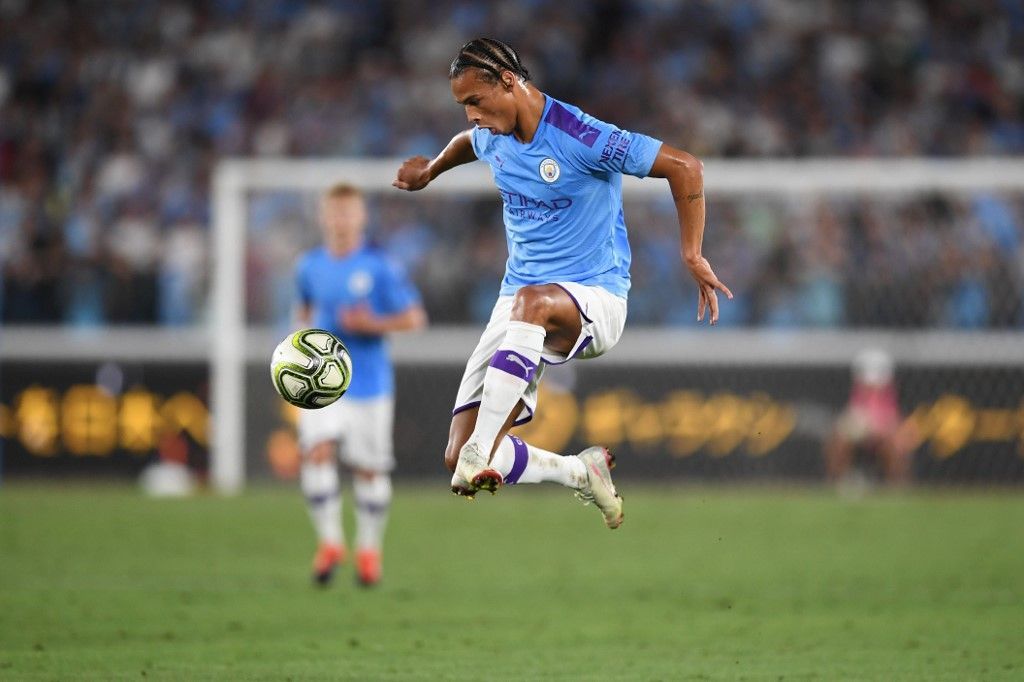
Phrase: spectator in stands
(872, 423)
(105, 108)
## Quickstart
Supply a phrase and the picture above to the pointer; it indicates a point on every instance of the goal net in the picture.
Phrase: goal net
(919, 259)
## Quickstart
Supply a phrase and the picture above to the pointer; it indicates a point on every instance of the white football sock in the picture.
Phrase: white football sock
(505, 381)
(323, 499)
(373, 499)
(520, 462)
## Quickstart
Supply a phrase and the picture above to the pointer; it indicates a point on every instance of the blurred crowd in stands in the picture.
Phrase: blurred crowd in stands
(113, 115)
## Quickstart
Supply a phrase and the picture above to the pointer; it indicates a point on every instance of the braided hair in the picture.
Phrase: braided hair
(491, 57)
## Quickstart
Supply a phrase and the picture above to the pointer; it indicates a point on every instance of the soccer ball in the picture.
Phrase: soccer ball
(311, 368)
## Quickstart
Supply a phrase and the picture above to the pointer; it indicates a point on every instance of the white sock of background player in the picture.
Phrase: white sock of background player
(319, 482)
(373, 500)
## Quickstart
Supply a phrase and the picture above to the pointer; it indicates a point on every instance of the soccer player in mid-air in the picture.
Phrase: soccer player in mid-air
(349, 288)
(559, 173)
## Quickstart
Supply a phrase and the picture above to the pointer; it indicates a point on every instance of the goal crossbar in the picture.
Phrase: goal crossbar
(234, 178)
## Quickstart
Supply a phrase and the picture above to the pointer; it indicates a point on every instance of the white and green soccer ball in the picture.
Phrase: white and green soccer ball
(311, 368)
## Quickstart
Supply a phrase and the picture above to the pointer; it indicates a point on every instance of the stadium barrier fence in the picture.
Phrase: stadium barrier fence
(706, 404)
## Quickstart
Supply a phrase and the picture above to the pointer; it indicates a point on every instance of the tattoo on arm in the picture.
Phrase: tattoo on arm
(693, 197)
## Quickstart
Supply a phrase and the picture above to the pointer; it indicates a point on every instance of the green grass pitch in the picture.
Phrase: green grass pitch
(698, 584)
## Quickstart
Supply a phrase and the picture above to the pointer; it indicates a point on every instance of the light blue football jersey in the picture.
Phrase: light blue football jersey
(562, 196)
(363, 277)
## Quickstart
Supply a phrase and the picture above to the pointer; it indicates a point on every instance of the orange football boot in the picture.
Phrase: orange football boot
(327, 559)
(368, 567)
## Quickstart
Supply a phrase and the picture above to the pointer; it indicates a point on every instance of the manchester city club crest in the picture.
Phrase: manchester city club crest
(360, 283)
(549, 170)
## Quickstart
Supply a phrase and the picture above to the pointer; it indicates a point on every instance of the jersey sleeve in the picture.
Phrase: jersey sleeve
(615, 150)
(481, 140)
(395, 291)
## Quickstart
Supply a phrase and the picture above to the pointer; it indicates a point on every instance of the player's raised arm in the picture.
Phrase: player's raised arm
(362, 320)
(417, 172)
(685, 175)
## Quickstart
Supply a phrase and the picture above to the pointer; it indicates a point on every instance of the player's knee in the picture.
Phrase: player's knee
(534, 304)
(320, 453)
(365, 475)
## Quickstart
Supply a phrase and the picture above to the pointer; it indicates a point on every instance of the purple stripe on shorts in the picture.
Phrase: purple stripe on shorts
(513, 363)
(519, 465)
(523, 420)
(586, 342)
(578, 306)
(467, 406)
(583, 345)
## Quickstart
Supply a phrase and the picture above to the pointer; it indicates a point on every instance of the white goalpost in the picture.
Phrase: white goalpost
(235, 178)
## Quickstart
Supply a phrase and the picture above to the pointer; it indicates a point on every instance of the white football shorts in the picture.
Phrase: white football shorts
(362, 429)
(602, 315)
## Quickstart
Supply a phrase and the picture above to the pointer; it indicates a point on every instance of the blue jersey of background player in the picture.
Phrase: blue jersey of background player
(350, 289)
(559, 173)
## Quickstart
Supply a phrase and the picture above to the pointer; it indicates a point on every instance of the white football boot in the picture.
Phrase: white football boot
(599, 488)
(462, 487)
(473, 473)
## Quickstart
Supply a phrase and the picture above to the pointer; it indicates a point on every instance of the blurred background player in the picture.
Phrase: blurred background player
(871, 424)
(559, 172)
(347, 287)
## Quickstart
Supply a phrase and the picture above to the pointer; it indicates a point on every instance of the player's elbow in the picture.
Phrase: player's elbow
(689, 168)
(678, 167)
(417, 319)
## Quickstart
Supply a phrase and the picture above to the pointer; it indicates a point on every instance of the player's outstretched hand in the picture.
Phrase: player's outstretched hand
(707, 282)
(413, 174)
